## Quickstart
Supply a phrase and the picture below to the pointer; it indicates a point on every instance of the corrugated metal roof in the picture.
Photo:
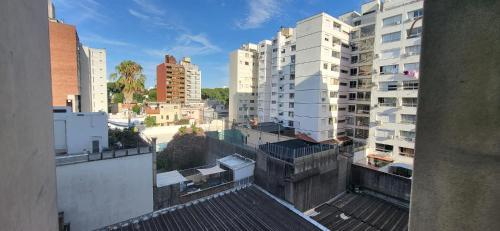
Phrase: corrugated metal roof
(246, 208)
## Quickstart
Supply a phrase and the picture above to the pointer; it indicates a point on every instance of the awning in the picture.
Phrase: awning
(210, 171)
(379, 157)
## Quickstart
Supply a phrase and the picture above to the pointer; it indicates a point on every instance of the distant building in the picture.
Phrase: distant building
(76, 133)
(164, 113)
(243, 72)
(93, 83)
(64, 44)
(193, 80)
(170, 81)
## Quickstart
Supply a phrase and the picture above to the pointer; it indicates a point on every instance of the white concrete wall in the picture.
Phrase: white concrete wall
(99, 193)
(27, 172)
(244, 172)
(81, 129)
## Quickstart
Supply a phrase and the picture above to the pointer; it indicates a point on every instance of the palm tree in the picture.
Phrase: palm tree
(129, 75)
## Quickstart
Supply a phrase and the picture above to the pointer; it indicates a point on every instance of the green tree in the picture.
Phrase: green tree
(129, 75)
(137, 109)
(138, 97)
(117, 97)
(150, 121)
(152, 95)
(219, 94)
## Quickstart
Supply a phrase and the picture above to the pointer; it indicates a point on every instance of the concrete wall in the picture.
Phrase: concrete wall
(383, 183)
(457, 161)
(99, 193)
(27, 174)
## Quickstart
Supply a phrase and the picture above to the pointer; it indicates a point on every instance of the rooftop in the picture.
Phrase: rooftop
(291, 149)
(235, 161)
(169, 178)
(353, 211)
(247, 208)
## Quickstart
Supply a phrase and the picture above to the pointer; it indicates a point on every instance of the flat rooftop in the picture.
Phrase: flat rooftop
(247, 208)
(295, 144)
(235, 161)
(169, 178)
(353, 211)
(290, 149)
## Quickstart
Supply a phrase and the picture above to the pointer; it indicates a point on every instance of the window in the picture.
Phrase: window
(293, 47)
(334, 94)
(334, 81)
(333, 107)
(415, 32)
(361, 134)
(357, 23)
(389, 69)
(349, 132)
(346, 59)
(408, 119)
(394, 20)
(389, 86)
(334, 67)
(409, 152)
(290, 123)
(351, 108)
(416, 14)
(325, 66)
(387, 102)
(412, 50)
(327, 39)
(354, 47)
(354, 71)
(410, 85)
(367, 31)
(383, 147)
(344, 71)
(344, 45)
(337, 26)
(409, 102)
(291, 86)
(342, 84)
(354, 59)
(365, 70)
(283, 51)
(391, 37)
(336, 54)
(362, 121)
(352, 96)
(354, 34)
(246, 63)
(390, 54)
(412, 66)
(283, 59)
(291, 105)
(292, 59)
(352, 84)
(292, 76)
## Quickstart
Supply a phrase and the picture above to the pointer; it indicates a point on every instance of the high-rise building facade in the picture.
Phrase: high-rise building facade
(192, 80)
(243, 83)
(93, 83)
(64, 65)
(264, 81)
(170, 81)
(394, 97)
(362, 41)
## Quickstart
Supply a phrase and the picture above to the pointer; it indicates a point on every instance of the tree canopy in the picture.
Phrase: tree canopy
(129, 76)
(220, 94)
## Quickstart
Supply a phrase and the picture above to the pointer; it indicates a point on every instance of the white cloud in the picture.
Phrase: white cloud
(153, 15)
(138, 15)
(87, 10)
(99, 39)
(260, 11)
(149, 7)
(187, 45)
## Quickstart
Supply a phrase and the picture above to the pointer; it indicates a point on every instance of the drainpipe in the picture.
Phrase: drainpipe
(153, 151)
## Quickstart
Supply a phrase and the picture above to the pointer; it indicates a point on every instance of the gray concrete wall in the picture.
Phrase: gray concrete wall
(27, 171)
(386, 184)
(99, 193)
(456, 182)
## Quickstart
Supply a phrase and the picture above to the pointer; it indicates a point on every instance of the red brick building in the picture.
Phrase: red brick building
(170, 81)
(64, 64)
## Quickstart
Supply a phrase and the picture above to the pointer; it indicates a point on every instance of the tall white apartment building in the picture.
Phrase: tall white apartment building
(243, 83)
(93, 82)
(394, 97)
(193, 80)
(321, 77)
(283, 77)
(264, 81)
(362, 40)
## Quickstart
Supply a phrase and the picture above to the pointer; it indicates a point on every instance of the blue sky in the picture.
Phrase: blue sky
(205, 30)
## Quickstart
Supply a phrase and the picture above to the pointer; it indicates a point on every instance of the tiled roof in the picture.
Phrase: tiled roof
(353, 211)
(248, 208)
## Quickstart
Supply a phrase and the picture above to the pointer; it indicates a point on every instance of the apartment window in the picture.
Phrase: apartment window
(342, 108)
(327, 39)
(363, 108)
(412, 50)
(362, 121)
(414, 32)
(357, 23)
(334, 94)
(383, 147)
(246, 63)
(354, 34)
(367, 30)
(336, 54)
(352, 96)
(290, 123)
(390, 21)
(408, 119)
(391, 37)
(409, 152)
(389, 86)
(349, 132)
(354, 71)
(390, 54)
(334, 67)
(273, 102)
(333, 107)
(354, 47)
(342, 84)
(387, 102)
(365, 70)
(334, 81)
(346, 59)
(354, 59)
(416, 14)
(352, 84)
(410, 85)
(293, 47)
(364, 83)
(345, 45)
(342, 96)
(409, 102)
(283, 59)
(325, 66)
(337, 26)
(344, 71)
(275, 49)
(292, 59)
(389, 69)
(412, 66)
(291, 86)
(351, 108)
